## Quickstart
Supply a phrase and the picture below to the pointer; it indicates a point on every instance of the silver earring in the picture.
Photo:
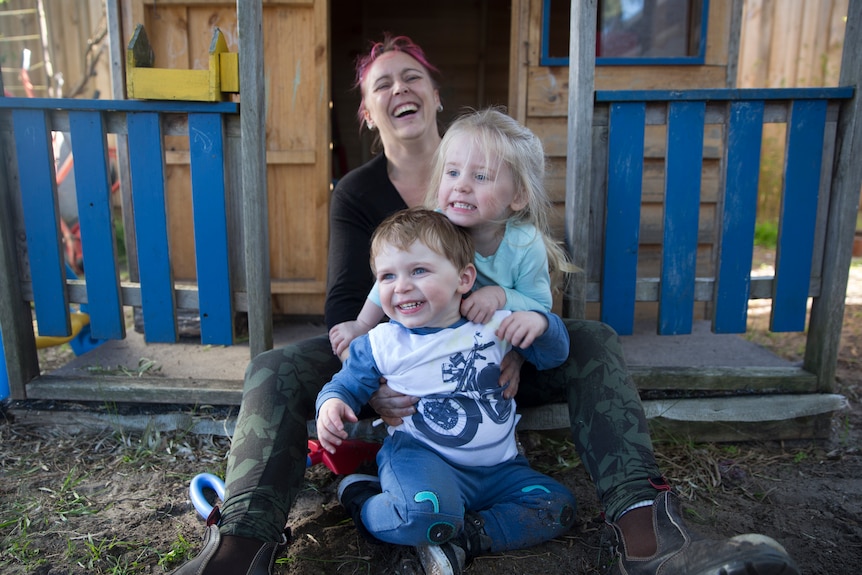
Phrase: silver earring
(439, 107)
(370, 125)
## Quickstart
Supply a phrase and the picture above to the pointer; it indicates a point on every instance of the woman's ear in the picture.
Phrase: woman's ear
(467, 279)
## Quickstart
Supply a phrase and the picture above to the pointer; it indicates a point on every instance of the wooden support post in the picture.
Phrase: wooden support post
(582, 62)
(254, 192)
(827, 311)
(16, 323)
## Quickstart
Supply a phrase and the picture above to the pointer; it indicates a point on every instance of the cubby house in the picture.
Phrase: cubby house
(653, 157)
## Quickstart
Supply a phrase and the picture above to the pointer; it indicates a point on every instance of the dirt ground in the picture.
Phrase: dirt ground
(116, 501)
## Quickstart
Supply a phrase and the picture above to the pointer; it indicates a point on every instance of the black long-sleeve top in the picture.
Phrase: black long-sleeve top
(362, 199)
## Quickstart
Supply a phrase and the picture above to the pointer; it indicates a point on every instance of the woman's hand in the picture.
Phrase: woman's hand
(330, 423)
(391, 405)
(522, 328)
(480, 305)
(510, 373)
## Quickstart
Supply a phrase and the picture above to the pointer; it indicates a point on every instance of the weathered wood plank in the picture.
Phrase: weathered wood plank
(717, 419)
(582, 55)
(16, 321)
(137, 389)
(254, 186)
(827, 311)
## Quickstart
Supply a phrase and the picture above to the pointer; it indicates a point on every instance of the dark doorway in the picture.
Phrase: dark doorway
(468, 40)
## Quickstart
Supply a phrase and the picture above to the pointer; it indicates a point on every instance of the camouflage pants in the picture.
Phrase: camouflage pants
(267, 459)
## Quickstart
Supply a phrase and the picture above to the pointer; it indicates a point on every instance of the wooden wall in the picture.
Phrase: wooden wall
(791, 43)
(540, 100)
(787, 44)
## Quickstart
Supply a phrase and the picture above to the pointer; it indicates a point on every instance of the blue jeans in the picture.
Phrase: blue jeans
(425, 495)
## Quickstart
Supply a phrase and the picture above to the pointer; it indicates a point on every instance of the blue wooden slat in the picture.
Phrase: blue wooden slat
(625, 183)
(798, 215)
(163, 106)
(681, 211)
(42, 221)
(146, 161)
(210, 220)
(744, 136)
(93, 189)
(725, 94)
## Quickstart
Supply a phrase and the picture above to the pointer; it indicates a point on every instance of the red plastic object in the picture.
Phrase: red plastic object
(346, 459)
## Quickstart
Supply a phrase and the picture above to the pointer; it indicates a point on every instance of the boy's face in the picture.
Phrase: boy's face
(419, 287)
(477, 188)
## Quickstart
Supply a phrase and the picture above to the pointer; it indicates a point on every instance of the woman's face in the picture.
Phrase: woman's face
(400, 98)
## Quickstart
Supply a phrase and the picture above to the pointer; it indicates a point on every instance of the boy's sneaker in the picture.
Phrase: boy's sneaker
(452, 557)
(353, 491)
(681, 552)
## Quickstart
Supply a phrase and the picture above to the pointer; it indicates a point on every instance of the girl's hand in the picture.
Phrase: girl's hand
(522, 328)
(342, 334)
(330, 423)
(510, 372)
(391, 405)
(480, 305)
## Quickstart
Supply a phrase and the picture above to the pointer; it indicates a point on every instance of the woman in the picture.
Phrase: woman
(400, 102)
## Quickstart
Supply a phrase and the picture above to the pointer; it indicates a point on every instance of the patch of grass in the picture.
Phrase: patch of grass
(181, 550)
(145, 366)
(16, 540)
(766, 234)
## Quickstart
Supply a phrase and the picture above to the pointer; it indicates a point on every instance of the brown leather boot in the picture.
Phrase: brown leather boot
(261, 564)
(681, 552)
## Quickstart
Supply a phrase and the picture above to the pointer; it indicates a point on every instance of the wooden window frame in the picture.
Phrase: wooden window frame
(697, 60)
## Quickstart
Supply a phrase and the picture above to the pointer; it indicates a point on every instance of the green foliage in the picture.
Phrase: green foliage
(766, 234)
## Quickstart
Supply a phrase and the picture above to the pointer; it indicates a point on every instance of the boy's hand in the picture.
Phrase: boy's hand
(522, 328)
(480, 305)
(330, 423)
(510, 372)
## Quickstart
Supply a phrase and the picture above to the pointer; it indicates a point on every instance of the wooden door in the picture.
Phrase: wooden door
(296, 60)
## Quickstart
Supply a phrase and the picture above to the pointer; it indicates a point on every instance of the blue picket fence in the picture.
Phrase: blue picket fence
(141, 122)
(729, 285)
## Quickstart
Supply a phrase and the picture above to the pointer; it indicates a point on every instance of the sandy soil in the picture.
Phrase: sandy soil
(116, 501)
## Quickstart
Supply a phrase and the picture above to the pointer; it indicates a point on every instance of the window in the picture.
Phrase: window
(631, 32)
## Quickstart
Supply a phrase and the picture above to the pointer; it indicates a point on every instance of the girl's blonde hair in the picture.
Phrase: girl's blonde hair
(493, 131)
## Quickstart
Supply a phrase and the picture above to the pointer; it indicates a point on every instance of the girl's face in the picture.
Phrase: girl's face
(419, 287)
(477, 188)
(400, 98)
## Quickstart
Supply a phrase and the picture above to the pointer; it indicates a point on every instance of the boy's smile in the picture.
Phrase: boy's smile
(419, 287)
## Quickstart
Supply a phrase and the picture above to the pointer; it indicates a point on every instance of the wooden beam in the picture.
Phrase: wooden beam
(582, 62)
(254, 191)
(827, 311)
(16, 323)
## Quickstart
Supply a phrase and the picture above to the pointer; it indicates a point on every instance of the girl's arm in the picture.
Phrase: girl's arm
(342, 334)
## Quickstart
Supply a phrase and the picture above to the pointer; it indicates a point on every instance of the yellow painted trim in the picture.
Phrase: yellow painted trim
(148, 83)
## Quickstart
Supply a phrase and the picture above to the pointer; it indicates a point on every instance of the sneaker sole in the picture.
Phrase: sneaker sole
(434, 560)
(356, 478)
